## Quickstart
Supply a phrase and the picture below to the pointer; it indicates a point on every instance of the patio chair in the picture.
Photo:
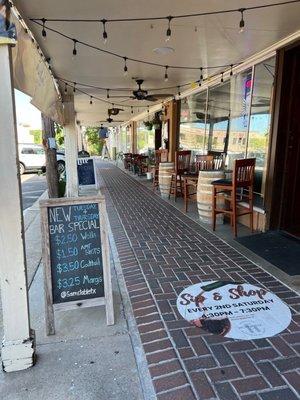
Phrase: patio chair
(236, 191)
(182, 166)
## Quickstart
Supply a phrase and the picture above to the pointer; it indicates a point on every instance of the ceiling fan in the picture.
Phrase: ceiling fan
(142, 94)
(112, 112)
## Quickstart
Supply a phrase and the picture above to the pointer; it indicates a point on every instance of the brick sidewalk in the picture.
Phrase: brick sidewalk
(161, 252)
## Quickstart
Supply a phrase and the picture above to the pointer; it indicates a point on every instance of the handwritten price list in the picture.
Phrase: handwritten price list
(75, 251)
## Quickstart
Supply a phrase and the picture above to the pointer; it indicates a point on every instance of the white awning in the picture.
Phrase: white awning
(32, 76)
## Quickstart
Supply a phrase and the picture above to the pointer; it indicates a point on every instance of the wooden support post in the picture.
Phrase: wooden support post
(70, 131)
(173, 116)
(18, 346)
(51, 162)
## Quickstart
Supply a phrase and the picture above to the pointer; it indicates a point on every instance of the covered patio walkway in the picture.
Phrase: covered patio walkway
(161, 252)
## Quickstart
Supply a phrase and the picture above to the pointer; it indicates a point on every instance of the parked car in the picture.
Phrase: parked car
(32, 158)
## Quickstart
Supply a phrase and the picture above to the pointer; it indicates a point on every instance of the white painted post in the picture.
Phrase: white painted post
(71, 148)
(18, 346)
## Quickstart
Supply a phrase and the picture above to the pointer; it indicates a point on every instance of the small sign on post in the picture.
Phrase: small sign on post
(76, 256)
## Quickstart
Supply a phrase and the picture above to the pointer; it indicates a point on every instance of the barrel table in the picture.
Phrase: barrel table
(204, 195)
(164, 178)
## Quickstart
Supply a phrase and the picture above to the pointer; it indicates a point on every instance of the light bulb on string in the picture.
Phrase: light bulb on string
(231, 72)
(169, 32)
(74, 49)
(44, 33)
(242, 22)
(131, 110)
(107, 93)
(66, 88)
(104, 33)
(166, 73)
(222, 77)
(178, 87)
(148, 111)
(201, 73)
(125, 67)
(91, 100)
(74, 87)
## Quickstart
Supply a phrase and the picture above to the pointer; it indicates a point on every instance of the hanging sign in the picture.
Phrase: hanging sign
(8, 33)
(234, 310)
(75, 256)
(86, 171)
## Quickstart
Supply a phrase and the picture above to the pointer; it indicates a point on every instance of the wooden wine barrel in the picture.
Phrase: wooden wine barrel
(164, 178)
(204, 196)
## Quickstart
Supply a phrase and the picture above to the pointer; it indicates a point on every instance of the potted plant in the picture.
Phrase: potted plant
(148, 125)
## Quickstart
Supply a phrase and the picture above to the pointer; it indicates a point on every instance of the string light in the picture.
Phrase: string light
(66, 88)
(201, 71)
(222, 77)
(125, 67)
(74, 48)
(242, 22)
(131, 110)
(44, 33)
(74, 87)
(91, 100)
(104, 34)
(179, 94)
(169, 32)
(166, 73)
(107, 93)
(231, 72)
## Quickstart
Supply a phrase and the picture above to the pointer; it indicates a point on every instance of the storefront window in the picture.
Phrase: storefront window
(218, 115)
(145, 139)
(192, 123)
(240, 101)
(260, 120)
(122, 141)
(128, 140)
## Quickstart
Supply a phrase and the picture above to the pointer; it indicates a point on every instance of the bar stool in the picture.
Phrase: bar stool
(239, 189)
(182, 166)
(160, 156)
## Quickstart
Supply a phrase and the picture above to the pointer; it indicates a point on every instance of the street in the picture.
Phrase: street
(33, 186)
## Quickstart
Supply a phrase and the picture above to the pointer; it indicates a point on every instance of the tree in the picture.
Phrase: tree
(51, 163)
(94, 142)
(37, 135)
(59, 134)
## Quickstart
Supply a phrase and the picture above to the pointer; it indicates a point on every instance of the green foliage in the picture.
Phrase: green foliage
(59, 134)
(37, 136)
(94, 143)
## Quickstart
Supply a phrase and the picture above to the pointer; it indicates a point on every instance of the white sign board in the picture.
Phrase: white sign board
(234, 310)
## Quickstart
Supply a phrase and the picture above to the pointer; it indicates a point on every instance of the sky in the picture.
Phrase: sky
(26, 113)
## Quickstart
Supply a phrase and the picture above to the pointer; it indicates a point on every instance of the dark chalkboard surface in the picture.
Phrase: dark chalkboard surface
(86, 171)
(75, 252)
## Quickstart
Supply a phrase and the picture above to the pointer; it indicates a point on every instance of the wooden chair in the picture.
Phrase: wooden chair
(239, 189)
(182, 166)
(219, 159)
(202, 162)
(160, 156)
(127, 160)
(141, 165)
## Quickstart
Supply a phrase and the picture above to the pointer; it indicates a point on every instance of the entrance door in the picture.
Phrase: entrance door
(290, 127)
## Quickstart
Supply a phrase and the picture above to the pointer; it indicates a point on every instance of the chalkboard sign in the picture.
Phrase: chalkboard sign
(76, 255)
(86, 171)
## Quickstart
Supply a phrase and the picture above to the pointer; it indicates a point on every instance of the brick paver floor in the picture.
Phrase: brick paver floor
(161, 252)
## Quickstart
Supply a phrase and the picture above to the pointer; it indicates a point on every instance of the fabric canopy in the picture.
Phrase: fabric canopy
(32, 76)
